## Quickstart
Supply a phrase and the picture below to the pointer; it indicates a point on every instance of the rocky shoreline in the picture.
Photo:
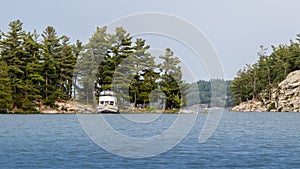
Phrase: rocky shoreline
(74, 107)
(67, 107)
(284, 98)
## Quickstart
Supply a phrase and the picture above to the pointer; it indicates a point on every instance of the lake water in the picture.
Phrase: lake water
(242, 140)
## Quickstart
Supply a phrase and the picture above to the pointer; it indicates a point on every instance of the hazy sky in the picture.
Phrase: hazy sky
(235, 27)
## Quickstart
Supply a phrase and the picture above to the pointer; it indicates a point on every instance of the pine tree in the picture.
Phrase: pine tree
(86, 77)
(76, 50)
(33, 77)
(171, 80)
(98, 47)
(141, 61)
(120, 63)
(147, 85)
(51, 52)
(12, 53)
(6, 101)
(37, 71)
(256, 81)
(65, 66)
(20, 51)
(90, 71)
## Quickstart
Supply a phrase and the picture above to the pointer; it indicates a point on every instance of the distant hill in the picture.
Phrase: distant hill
(200, 93)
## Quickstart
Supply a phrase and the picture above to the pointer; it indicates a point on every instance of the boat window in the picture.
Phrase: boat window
(102, 102)
(111, 103)
(107, 93)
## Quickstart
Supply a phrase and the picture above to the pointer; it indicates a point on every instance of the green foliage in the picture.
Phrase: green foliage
(59, 58)
(13, 53)
(127, 68)
(256, 81)
(5, 89)
(41, 69)
(36, 71)
(94, 52)
(171, 79)
(200, 92)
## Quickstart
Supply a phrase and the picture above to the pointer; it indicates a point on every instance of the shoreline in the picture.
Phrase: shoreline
(141, 112)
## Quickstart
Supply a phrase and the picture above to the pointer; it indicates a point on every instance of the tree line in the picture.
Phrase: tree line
(256, 81)
(123, 64)
(200, 92)
(44, 68)
(35, 68)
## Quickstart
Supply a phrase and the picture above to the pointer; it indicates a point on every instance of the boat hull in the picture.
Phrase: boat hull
(107, 110)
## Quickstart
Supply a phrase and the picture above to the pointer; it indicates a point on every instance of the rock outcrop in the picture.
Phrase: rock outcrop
(285, 98)
(67, 107)
(250, 106)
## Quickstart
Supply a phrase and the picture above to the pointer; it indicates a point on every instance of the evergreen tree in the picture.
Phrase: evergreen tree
(143, 69)
(65, 66)
(76, 50)
(86, 68)
(33, 78)
(98, 47)
(12, 53)
(6, 101)
(51, 52)
(121, 65)
(171, 79)
(20, 51)
(91, 75)
(144, 83)
(37, 72)
(266, 73)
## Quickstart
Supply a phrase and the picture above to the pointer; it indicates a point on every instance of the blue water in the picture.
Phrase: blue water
(242, 140)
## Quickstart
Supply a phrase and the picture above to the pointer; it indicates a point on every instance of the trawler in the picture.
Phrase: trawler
(107, 102)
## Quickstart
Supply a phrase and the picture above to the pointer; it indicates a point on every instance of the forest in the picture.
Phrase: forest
(44, 68)
(200, 92)
(35, 68)
(256, 81)
(122, 64)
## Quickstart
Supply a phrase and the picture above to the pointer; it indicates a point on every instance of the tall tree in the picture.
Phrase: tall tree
(94, 53)
(266, 73)
(86, 77)
(6, 101)
(76, 50)
(51, 51)
(33, 79)
(141, 61)
(65, 65)
(145, 82)
(12, 52)
(171, 79)
(121, 66)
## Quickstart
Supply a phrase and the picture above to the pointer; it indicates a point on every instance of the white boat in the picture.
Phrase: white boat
(107, 102)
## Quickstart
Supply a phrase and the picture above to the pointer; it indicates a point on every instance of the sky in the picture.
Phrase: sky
(236, 28)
